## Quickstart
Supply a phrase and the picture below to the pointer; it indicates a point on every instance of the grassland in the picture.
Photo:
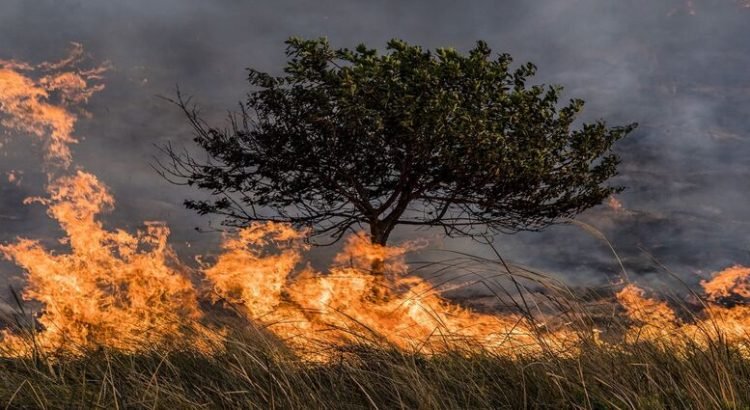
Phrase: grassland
(257, 371)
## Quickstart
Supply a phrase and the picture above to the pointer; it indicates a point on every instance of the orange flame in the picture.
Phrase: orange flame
(128, 291)
(654, 320)
(112, 289)
(725, 313)
(27, 102)
(733, 281)
(312, 310)
(247, 276)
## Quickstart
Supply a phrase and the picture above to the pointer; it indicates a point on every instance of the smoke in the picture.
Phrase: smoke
(678, 68)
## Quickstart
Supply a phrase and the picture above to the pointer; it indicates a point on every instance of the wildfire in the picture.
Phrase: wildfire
(312, 310)
(26, 102)
(733, 281)
(653, 320)
(725, 313)
(128, 291)
(112, 288)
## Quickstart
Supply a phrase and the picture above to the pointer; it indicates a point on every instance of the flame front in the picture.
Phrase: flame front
(653, 320)
(724, 314)
(349, 303)
(109, 288)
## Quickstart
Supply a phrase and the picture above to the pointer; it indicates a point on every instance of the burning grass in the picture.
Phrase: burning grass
(120, 322)
(256, 370)
(120, 325)
(285, 336)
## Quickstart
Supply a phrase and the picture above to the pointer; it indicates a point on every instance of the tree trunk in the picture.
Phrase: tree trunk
(378, 236)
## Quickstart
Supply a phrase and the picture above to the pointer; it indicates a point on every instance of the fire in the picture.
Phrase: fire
(733, 281)
(109, 288)
(312, 310)
(725, 313)
(128, 291)
(245, 275)
(26, 102)
(653, 320)
(112, 289)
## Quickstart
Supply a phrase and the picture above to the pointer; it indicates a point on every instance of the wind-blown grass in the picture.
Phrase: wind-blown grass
(256, 371)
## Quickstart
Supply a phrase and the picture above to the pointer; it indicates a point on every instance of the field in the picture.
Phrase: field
(257, 371)
(110, 317)
(115, 322)
(597, 351)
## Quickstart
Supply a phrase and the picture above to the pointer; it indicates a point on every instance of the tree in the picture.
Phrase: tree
(347, 138)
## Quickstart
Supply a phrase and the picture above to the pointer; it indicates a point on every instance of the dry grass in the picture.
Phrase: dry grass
(258, 372)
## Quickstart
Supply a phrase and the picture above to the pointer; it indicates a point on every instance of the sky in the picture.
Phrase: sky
(678, 68)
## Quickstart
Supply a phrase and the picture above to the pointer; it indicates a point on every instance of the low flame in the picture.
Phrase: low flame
(349, 303)
(731, 282)
(653, 320)
(725, 313)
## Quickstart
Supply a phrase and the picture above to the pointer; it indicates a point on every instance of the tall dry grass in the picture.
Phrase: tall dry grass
(256, 370)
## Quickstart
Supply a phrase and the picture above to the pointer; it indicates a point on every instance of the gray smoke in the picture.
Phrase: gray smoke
(681, 71)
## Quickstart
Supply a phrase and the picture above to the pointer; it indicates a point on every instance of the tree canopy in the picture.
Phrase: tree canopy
(350, 138)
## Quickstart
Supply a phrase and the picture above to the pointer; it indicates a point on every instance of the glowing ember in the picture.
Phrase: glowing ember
(14, 177)
(614, 204)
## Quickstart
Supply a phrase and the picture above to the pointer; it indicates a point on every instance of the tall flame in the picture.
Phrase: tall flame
(112, 288)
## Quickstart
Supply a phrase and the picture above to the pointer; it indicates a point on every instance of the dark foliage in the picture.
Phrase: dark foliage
(347, 138)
